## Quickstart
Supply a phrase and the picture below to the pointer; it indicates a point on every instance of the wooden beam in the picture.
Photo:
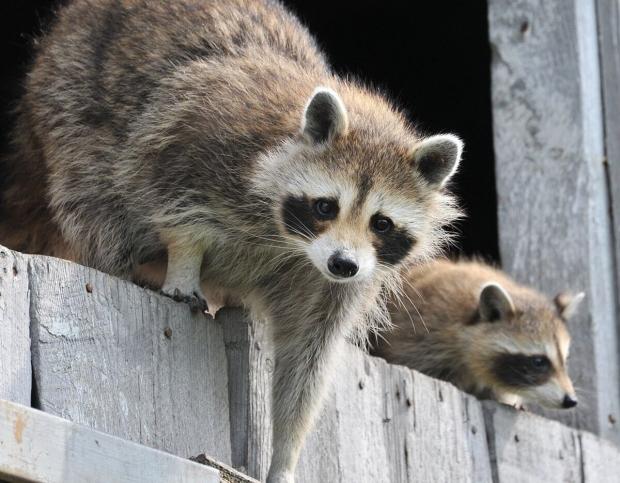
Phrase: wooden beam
(555, 228)
(126, 361)
(609, 47)
(38, 447)
(527, 448)
(15, 367)
(380, 423)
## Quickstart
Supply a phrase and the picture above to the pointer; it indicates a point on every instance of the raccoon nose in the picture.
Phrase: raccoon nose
(341, 267)
(569, 402)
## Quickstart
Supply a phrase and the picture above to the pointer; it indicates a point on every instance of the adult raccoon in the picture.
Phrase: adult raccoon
(215, 132)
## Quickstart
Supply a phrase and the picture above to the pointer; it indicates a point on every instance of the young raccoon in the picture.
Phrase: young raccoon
(471, 325)
(213, 133)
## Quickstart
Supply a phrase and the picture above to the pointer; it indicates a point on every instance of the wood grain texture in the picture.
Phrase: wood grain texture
(250, 369)
(38, 447)
(528, 448)
(15, 367)
(128, 362)
(380, 423)
(393, 425)
(554, 224)
(609, 46)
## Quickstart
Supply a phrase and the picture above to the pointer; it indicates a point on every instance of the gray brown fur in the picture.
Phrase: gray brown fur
(172, 130)
(445, 329)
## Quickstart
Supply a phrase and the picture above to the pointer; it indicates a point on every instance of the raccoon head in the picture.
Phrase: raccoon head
(357, 196)
(527, 346)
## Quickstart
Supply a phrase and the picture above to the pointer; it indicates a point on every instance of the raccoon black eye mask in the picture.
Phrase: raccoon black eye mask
(520, 370)
(392, 243)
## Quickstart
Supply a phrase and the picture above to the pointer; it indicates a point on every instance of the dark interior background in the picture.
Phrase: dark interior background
(433, 58)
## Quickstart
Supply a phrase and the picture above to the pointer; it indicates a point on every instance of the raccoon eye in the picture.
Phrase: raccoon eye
(326, 209)
(381, 224)
(540, 363)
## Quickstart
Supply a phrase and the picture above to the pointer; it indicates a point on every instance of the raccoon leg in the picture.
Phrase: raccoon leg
(182, 281)
(303, 360)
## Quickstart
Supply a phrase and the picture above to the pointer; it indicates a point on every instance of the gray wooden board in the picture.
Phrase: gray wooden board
(600, 460)
(609, 43)
(250, 368)
(38, 447)
(528, 448)
(380, 423)
(396, 425)
(228, 474)
(101, 358)
(554, 223)
(15, 367)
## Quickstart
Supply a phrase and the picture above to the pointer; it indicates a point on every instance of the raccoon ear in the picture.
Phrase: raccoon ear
(436, 158)
(567, 303)
(495, 303)
(325, 116)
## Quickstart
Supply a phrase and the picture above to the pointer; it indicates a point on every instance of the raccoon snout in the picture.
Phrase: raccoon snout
(342, 266)
(569, 402)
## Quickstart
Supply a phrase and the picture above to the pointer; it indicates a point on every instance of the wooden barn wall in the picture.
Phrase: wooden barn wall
(110, 356)
(554, 197)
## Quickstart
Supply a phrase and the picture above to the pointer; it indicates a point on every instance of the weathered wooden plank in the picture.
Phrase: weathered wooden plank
(528, 448)
(393, 425)
(250, 365)
(600, 460)
(126, 361)
(554, 221)
(380, 423)
(227, 473)
(609, 46)
(38, 447)
(15, 367)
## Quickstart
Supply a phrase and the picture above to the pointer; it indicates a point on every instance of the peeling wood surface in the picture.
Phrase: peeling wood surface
(554, 214)
(38, 447)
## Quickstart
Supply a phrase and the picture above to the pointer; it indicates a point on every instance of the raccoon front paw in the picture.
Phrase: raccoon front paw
(196, 301)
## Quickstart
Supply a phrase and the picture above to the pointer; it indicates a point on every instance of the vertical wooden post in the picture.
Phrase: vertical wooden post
(609, 45)
(554, 213)
(15, 367)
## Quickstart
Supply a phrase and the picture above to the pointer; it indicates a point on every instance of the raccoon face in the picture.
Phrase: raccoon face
(529, 355)
(357, 205)
(344, 240)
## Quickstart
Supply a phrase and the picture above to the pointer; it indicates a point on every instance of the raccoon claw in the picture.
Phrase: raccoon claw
(196, 302)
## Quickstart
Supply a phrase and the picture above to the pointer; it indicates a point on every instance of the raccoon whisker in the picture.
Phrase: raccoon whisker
(281, 242)
(309, 238)
(414, 288)
(403, 293)
(265, 245)
(413, 305)
(310, 235)
(281, 259)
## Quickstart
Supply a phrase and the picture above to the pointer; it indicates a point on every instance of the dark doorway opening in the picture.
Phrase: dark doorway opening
(433, 58)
